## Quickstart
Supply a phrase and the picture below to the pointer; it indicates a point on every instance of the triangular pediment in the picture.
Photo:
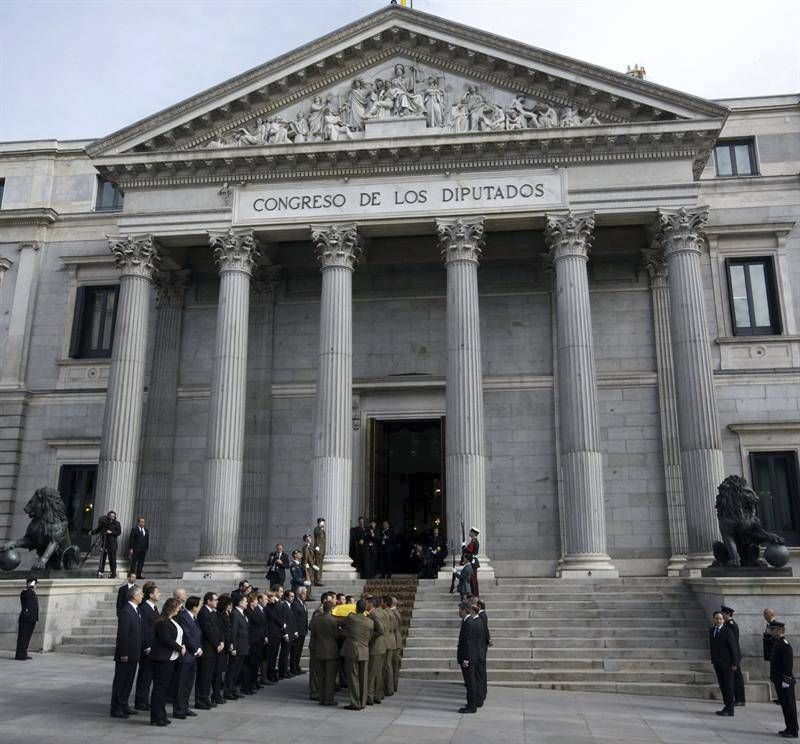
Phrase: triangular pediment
(453, 80)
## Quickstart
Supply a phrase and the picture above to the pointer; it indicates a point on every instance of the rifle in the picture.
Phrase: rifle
(453, 576)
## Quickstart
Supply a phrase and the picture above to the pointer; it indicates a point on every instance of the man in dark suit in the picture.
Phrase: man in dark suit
(242, 591)
(325, 654)
(212, 645)
(438, 547)
(385, 551)
(738, 679)
(357, 544)
(127, 652)
(469, 638)
(122, 592)
(275, 633)
(240, 648)
(186, 667)
(725, 658)
(148, 611)
(480, 619)
(300, 614)
(277, 563)
(781, 672)
(138, 545)
(109, 530)
(28, 617)
(290, 634)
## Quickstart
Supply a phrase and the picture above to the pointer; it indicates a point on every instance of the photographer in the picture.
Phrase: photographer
(109, 530)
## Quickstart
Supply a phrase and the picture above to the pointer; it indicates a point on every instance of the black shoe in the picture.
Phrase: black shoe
(131, 712)
(740, 704)
(788, 735)
(333, 704)
(378, 702)
(351, 707)
(202, 706)
(142, 707)
(777, 702)
(119, 714)
(179, 716)
(269, 683)
(191, 713)
(725, 712)
(165, 722)
(467, 710)
(370, 702)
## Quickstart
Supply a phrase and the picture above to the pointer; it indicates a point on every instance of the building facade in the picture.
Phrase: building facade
(417, 272)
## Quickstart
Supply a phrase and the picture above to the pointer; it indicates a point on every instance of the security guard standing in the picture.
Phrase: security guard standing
(780, 671)
(28, 617)
(738, 678)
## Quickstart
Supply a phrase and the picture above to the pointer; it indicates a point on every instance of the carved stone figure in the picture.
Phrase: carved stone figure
(359, 99)
(299, 128)
(457, 118)
(401, 91)
(570, 118)
(381, 101)
(48, 532)
(277, 132)
(316, 116)
(740, 527)
(548, 116)
(434, 103)
(474, 104)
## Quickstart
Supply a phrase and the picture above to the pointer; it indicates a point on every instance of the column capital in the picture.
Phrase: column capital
(655, 261)
(460, 238)
(135, 255)
(171, 287)
(569, 234)
(337, 245)
(680, 230)
(234, 249)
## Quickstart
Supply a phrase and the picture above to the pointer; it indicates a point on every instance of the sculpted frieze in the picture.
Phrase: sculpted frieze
(406, 94)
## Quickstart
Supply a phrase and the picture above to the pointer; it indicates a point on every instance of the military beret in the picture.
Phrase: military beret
(727, 610)
(776, 624)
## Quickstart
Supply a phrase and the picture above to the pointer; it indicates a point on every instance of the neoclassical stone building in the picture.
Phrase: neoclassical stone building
(418, 272)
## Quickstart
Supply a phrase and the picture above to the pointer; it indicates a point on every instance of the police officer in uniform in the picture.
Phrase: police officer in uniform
(780, 671)
(28, 617)
(738, 679)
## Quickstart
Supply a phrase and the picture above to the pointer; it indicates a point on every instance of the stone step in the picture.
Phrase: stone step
(519, 663)
(525, 627)
(594, 655)
(568, 600)
(574, 675)
(548, 642)
(621, 619)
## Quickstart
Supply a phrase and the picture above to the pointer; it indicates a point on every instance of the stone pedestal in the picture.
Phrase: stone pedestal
(568, 239)
(395, 126)
(678, 236)
(338, 251)
(137, 258)
(656, 264)
(235, 252)
(461, 242)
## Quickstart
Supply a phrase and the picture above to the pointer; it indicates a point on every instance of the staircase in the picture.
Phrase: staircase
(404, 589)
(631, 635)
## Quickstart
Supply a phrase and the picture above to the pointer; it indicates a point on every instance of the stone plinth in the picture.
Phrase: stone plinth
(395, 126)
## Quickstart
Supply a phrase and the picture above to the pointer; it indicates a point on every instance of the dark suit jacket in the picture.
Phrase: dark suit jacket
(297, 574)
(485, 619)
(276, 574)
(137, 542)
(724, 648)
(122, 596)
(212, 635)
(288, 617)
(470, 640)
(256, 625)
(781, 662)
(240, 633)
(300, 614)
(109, 541)
(192, 635)
(149, 617)
(29, 606)
(274, 617)
(129, 634)
(164, 641)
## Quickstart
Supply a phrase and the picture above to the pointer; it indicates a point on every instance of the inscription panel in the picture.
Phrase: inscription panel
(366, 199)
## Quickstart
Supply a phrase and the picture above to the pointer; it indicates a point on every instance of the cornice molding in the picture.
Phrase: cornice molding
(37, 216)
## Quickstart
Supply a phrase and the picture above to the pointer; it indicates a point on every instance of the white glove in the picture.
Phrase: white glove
(785, 685)
(316, 548)
(316, 568)
(199, 652)
(306, 583)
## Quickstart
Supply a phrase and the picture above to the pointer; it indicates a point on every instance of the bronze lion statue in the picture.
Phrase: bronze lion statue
(739, 525)
(48, 532)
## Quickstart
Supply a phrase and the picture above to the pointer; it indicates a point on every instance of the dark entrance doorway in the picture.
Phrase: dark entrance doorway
(76, 485)
(407, 481)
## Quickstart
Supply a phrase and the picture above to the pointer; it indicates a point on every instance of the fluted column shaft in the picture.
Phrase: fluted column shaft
(153, 500)
(136, 259)
(569, 237)
(338, 252)
(656, 264)
(461, 242)
(235, 252)
(679, 235)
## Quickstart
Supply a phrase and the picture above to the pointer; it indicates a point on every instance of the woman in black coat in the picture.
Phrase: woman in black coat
(224, 608)
(167, 648)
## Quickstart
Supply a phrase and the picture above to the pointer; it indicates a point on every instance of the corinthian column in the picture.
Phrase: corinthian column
(461, 243)
(656, 264)
(568, 238)
(235, 252)
(137, 258)
(158, 440)
(679, 235)
(338, 251)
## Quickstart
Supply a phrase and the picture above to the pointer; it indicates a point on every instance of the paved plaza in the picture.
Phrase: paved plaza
(64, 698)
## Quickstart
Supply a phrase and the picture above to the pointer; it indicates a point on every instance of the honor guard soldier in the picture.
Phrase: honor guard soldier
(320, 545)
(28, 617)
(780, 671)
(738, 679)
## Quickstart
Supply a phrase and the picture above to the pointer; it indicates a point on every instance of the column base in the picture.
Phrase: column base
(227, 569)
(338, 568)
(676, 564)
(696, 562)
(587, 566)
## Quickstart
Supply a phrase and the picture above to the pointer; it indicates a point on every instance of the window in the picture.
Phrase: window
(76, 485)
(109, 195)
(751, 289)
(2, 189)
(93, 324)
(735, 158)
(776, 484)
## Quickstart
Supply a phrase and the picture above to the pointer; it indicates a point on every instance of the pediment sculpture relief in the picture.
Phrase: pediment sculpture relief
(403, 93)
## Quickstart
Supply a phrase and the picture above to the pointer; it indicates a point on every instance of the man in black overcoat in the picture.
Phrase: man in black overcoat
(186, 666)
(148, 611)
(122, 592)
(725, 658)
(109, 530)
(127, 652)
(277, 563)
(138, 545)
(469, 639)
(212, 645)
(300, 614)
(28, 617)
(738, 678)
